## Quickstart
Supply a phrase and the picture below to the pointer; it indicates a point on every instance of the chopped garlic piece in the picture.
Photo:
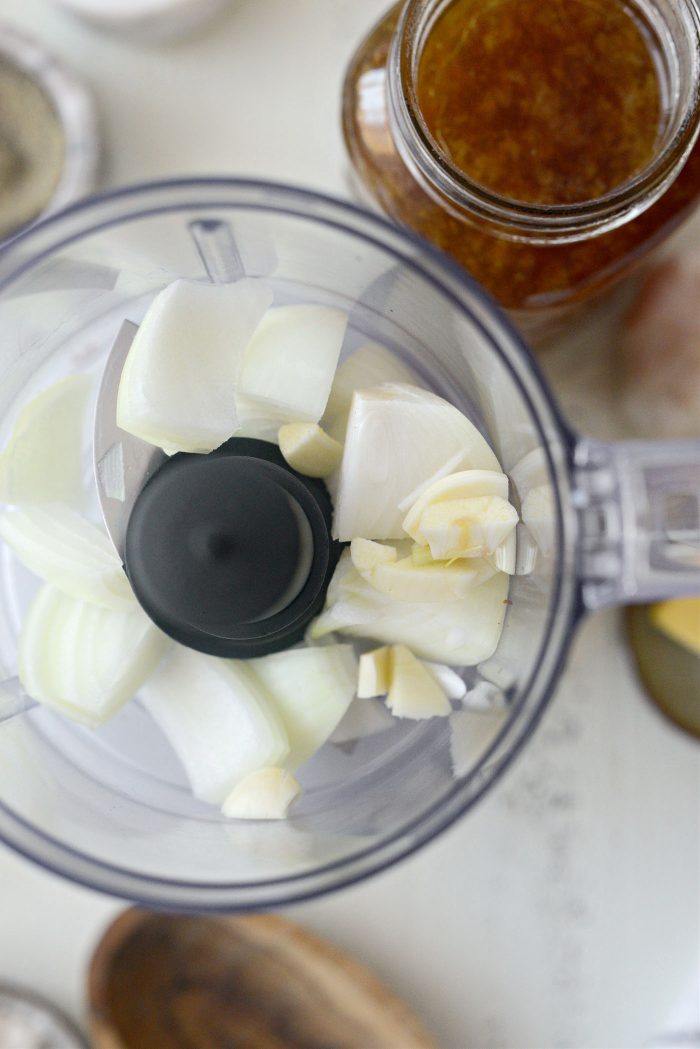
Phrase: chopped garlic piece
(265, 794)
(437, 581)
(472, 527)
(466, 484)
(309, 450)
(374, 675)
(414, 693)
(366, 554)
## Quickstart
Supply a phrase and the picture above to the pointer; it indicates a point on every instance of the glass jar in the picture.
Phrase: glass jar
(543, 262)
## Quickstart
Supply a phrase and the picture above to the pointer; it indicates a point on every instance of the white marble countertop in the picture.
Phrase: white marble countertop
(564, 911)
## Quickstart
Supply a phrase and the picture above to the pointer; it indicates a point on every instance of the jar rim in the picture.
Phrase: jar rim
(458, 193)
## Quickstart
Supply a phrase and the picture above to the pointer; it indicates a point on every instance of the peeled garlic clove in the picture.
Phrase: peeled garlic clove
(459, 633)
(290, 362)
(435, 582)
(43, 460)
(309, 450)
(366, 554)
(309, 690)
(179, 382)
(397, 436)
(61, 547)
(467, 484)
(374, 674)
(414, 692)
(471, 527)
(264, 794)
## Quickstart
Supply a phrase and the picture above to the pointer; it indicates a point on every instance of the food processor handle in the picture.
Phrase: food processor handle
(639, 512)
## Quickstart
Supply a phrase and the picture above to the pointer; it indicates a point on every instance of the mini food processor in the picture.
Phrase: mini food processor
(601, 524)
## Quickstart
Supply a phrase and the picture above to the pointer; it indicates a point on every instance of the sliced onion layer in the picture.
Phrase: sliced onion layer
(43, 460)
(61, 547)
(83, 660)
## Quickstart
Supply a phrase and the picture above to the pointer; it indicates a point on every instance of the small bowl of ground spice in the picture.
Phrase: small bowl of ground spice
(48, 136)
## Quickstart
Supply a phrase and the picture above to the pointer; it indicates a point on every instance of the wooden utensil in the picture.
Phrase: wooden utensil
(254, 982)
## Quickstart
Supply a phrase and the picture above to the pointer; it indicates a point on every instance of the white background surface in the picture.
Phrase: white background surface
(564, 911)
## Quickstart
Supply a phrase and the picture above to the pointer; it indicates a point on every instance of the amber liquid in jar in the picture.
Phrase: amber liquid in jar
(545, 102)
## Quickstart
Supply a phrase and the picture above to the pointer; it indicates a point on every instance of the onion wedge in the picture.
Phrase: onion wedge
(309, 689)
(83, 660)
(289, 366)
(178, 386)
(217, 720)
(397, 437)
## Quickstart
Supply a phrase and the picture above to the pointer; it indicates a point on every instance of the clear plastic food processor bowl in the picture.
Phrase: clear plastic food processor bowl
(111, 808)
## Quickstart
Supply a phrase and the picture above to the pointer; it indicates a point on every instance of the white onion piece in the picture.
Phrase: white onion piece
(310, 689)
(83, 660)
(369, 366)
(397, 437)
(265, 794)
(178, 386)
(459, 633)
(217, 720)
(61, 547)
(289, 365)
(43, 459)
